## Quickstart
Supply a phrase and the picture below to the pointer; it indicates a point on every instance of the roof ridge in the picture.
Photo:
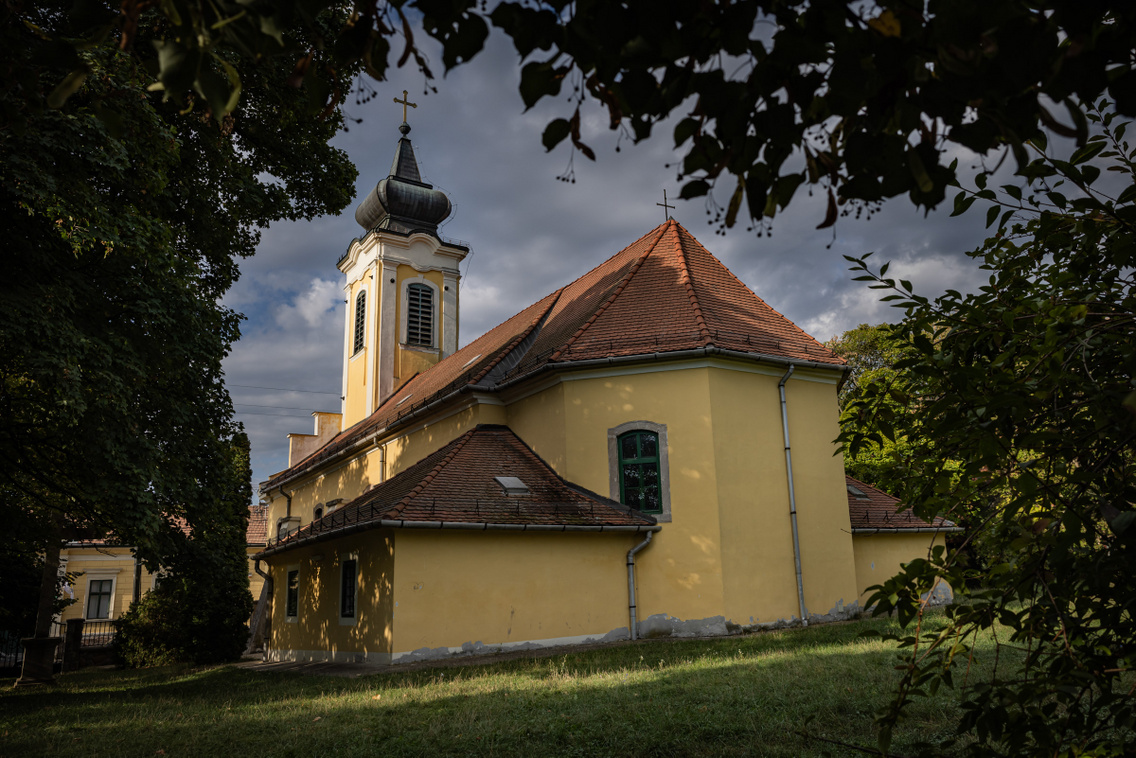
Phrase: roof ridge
(458, 445)
(611, 299)
(501, 355)
(685, 279)
(776, 312)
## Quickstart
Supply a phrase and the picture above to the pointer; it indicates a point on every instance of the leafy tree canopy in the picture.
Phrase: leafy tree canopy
(868, 100)
(1025, 414)
(124, 221)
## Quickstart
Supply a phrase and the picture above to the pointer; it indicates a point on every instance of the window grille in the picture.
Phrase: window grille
(360, 321)
(420, 315)
(639, 471)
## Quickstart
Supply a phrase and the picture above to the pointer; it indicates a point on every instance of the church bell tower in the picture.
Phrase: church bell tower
(401, 285)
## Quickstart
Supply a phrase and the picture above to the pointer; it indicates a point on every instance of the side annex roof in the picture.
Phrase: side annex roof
(458, 486)
(873, 511)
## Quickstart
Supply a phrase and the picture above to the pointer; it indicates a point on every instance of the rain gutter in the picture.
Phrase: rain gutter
(909, 530)
(468, 526)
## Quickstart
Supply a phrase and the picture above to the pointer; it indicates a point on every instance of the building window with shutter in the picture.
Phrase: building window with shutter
(360, 322)
(420, 315)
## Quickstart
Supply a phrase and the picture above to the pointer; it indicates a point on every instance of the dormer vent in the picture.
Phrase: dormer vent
(512, 485)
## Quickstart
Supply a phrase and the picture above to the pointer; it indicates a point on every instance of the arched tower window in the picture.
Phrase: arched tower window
(360, 321)
(419, 315)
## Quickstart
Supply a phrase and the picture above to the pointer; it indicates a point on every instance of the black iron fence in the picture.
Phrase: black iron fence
(88, 634)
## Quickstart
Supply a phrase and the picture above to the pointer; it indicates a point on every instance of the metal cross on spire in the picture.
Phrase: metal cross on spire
(666, 208)
(405, 101)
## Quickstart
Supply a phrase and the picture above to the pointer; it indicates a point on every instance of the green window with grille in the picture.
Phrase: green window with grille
(639, 471)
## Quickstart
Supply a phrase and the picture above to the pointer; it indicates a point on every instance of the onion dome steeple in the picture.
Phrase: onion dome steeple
(403, 202)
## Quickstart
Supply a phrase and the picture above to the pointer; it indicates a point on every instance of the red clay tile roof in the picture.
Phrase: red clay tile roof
(879, 510)
(457, 484)
(258, 525)
(662, 293)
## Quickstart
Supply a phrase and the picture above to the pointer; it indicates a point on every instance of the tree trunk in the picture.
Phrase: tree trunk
(48, 588)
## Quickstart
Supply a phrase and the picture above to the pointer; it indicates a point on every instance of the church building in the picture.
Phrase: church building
(647, 451)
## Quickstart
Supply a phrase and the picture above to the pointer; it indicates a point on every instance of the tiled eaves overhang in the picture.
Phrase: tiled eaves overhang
(453, 525)
(358, 446)
(952, 529)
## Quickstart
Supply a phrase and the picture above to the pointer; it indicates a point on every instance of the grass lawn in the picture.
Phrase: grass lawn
(745, 695)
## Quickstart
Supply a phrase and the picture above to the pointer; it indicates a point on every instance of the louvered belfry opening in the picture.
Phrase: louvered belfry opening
(360, 321)
(420, 315)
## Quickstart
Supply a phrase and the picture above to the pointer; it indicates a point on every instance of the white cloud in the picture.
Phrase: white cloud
(314, 307)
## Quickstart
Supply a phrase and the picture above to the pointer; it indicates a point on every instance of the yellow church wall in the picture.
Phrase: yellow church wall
(827, 559)
(316, 632)
(514, 587)
(346, 480)
(539, 420)
(408, 361)
(749, 448)
(355, 409)
(408, 448)
(880, 556)
(680, 573)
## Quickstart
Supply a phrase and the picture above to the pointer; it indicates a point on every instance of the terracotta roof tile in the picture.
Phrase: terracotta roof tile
(257, 533)
(457, 484)
(878, 510)
(662, 293)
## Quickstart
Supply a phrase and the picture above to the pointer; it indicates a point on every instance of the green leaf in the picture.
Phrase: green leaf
(685, 129)
(539, 79)
(695, 188)
(555, 133)
(66, 88)
(1088, 151)
(1013, 191)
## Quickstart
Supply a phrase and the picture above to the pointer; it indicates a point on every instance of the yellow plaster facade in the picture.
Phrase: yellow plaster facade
(723, 562)
(721, 556)
(879, 557)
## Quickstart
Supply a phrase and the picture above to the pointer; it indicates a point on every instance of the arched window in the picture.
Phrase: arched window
(360, 321)
(640, 477)
(419, 315)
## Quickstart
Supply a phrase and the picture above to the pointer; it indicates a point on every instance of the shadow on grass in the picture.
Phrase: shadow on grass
(728, 696)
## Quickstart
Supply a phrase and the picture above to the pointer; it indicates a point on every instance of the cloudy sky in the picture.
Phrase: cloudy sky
(530, 233)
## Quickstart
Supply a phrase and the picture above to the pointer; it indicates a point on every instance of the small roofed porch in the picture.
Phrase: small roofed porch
(478, 547)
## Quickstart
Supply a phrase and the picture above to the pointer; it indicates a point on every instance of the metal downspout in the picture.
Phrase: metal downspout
(288, 513)
(631, 583)
(792, 497)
